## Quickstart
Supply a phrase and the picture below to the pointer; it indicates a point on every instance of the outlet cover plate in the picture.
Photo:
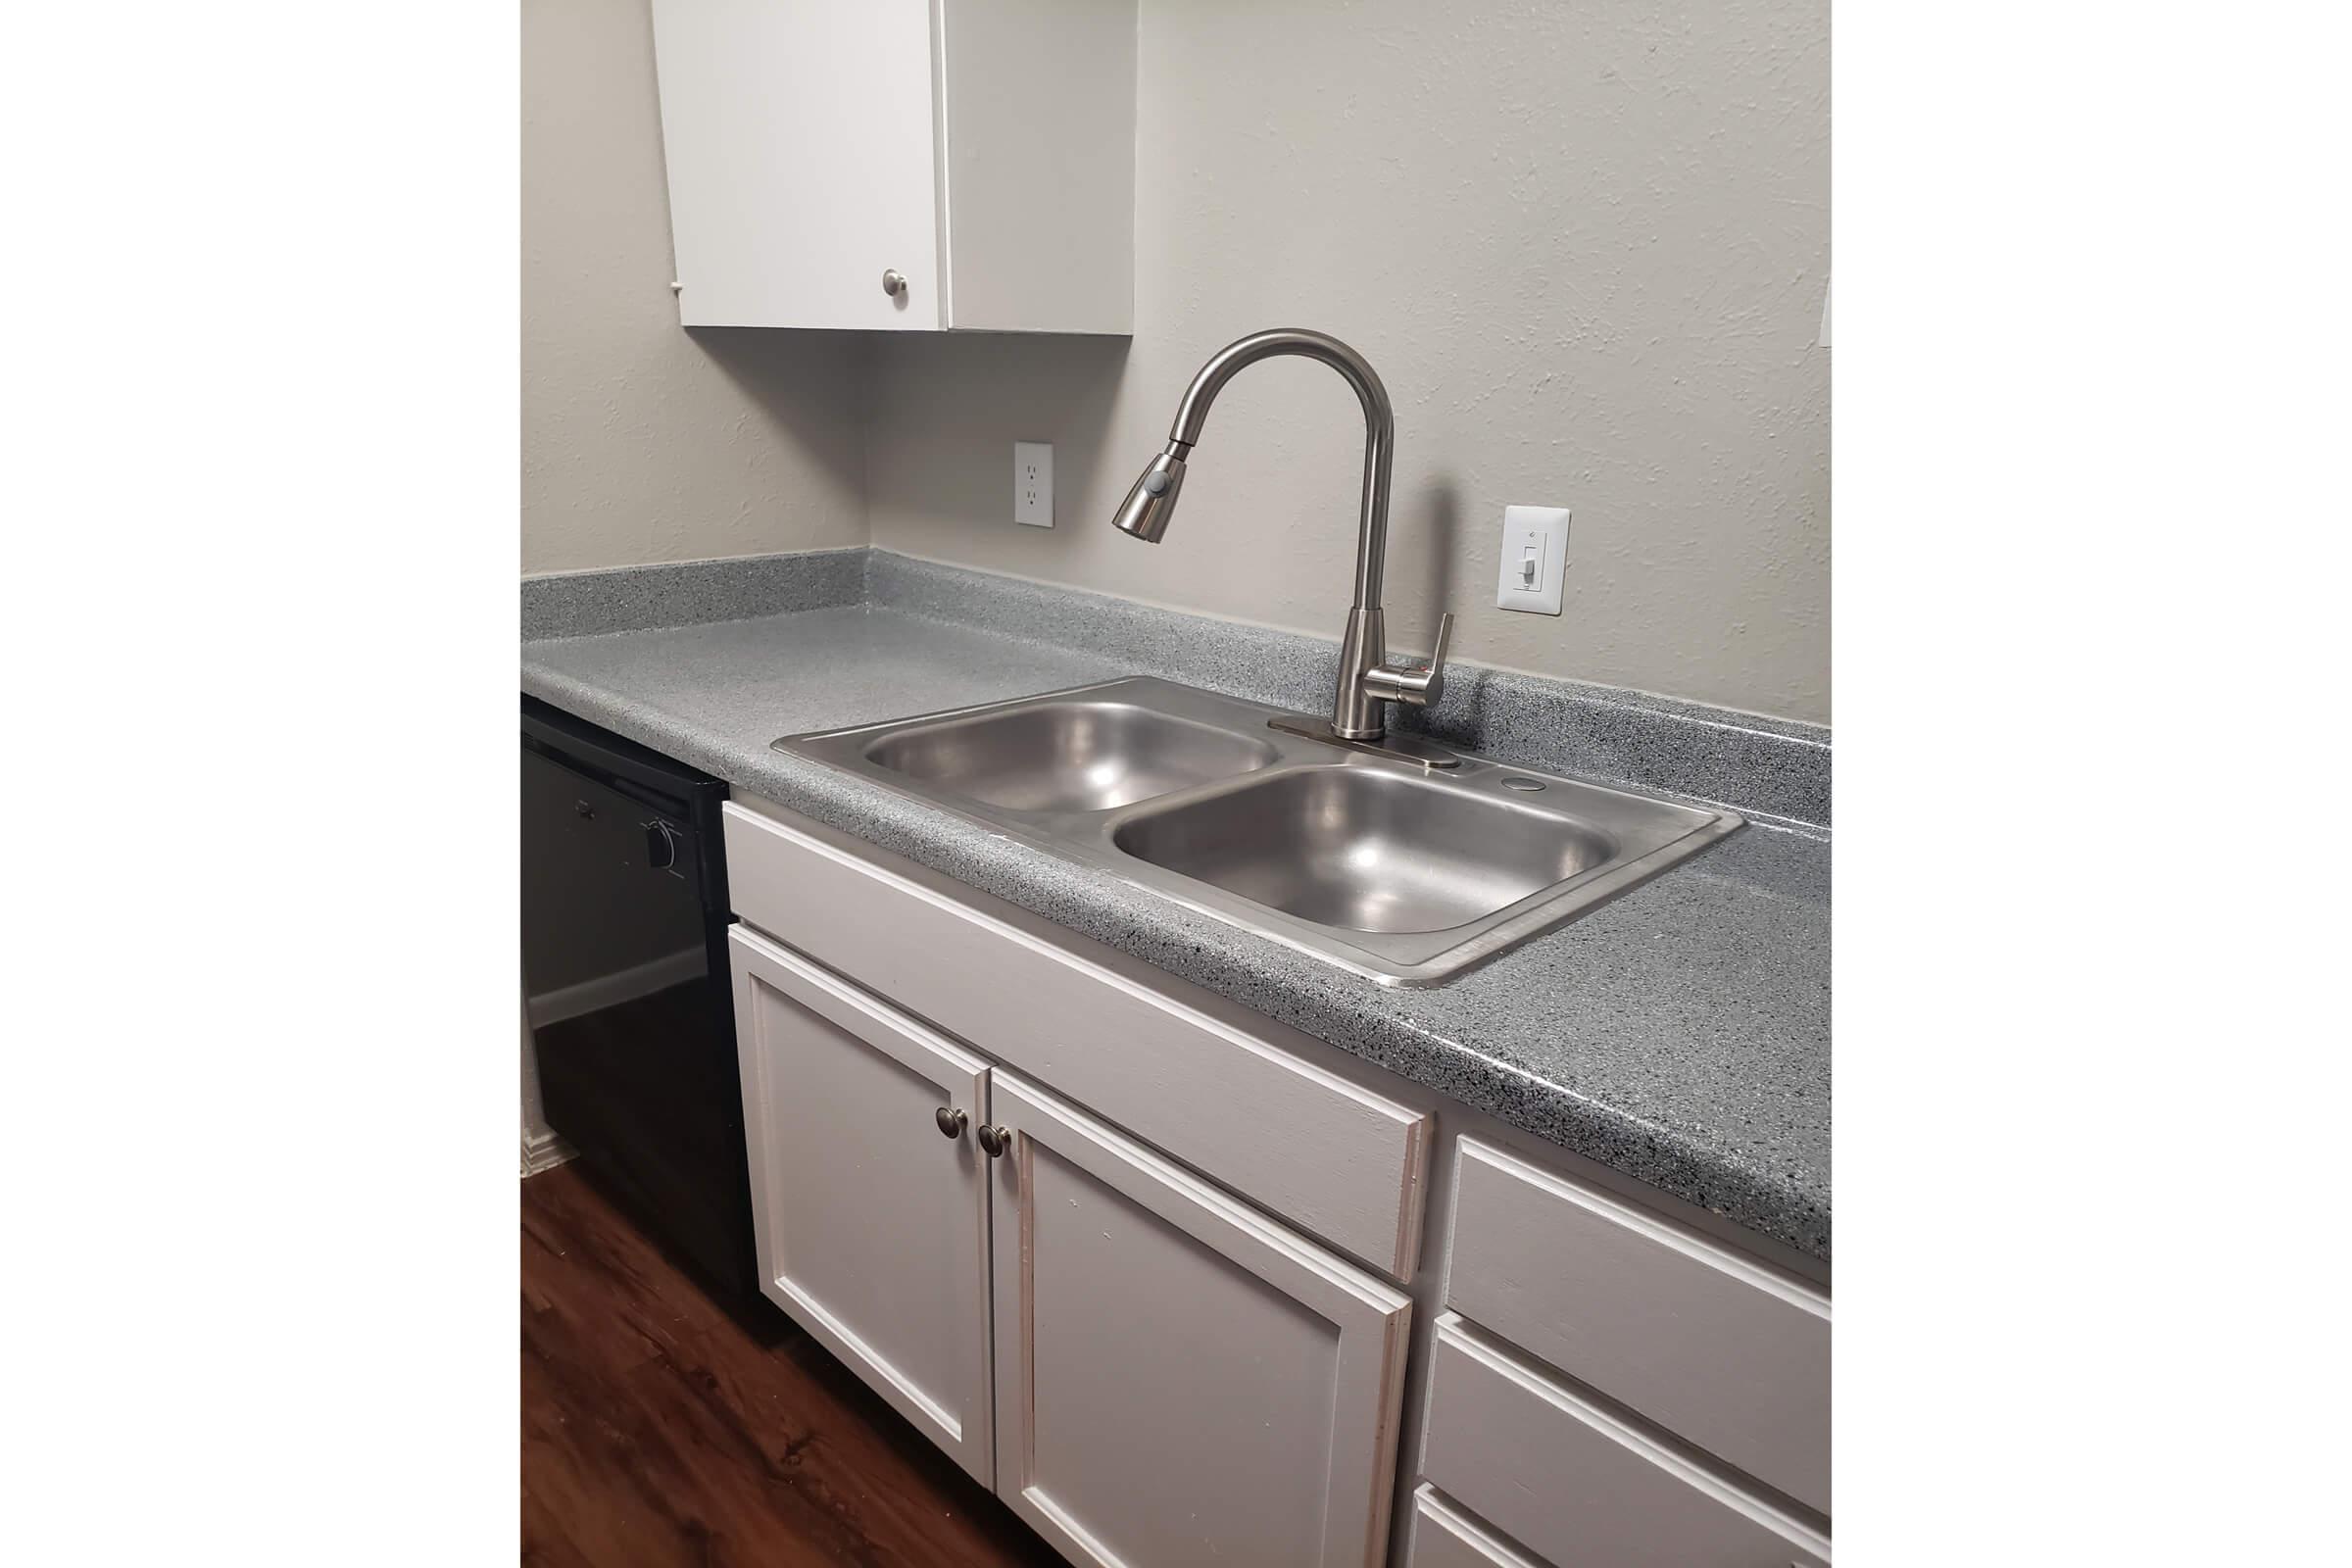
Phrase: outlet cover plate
(1033, 483)
(1537, 537)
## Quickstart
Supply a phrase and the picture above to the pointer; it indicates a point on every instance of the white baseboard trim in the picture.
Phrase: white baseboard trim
(544, 1148)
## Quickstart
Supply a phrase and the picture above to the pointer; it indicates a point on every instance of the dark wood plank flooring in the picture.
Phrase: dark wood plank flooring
(660, 1427)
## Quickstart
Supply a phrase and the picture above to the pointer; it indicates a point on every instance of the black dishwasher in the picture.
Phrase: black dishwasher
(625, 981)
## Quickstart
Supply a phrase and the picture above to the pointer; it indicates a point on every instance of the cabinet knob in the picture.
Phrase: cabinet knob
(951, 1120)
(994, 1140)
(894, 282)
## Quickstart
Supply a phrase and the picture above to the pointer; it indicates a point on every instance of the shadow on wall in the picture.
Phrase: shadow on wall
(807, 389)
(948, 407)
(1422, 551)
(944, 411)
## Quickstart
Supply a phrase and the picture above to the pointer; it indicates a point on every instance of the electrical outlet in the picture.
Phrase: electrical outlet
(1534, 558)
(1033, 483)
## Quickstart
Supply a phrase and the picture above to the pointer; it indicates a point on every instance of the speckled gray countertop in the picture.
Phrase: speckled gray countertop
(1680, 1035)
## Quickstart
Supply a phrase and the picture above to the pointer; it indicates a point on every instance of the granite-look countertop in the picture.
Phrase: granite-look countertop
(1681, 1034)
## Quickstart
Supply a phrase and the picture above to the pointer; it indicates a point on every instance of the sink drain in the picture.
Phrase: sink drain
(1525, 786)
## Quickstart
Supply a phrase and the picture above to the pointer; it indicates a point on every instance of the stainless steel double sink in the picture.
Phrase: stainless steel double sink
(1381, 864)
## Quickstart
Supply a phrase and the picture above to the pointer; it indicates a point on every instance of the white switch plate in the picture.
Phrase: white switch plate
(1033, 483)
(1535, 558)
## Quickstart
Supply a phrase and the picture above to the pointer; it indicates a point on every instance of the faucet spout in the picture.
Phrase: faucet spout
(1153, 499)
(1380, 428)
(1365, 683)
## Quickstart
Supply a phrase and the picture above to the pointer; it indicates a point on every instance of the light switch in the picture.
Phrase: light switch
(1534, 558)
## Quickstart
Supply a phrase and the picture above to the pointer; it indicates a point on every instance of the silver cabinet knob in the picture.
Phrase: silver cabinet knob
(994, 1140)
(951, 1120)
(894, 282)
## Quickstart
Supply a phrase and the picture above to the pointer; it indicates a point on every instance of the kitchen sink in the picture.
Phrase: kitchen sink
(1068, 756)
(1401, 871)
(1360, 850)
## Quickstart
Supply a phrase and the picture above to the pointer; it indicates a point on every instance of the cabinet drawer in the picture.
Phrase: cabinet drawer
(1441, 1536)
(1337, 1160)
(1576, 1485)
(1722, 1352)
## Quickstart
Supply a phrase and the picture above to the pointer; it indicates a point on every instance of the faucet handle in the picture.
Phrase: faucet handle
(1436, 654)
(1422, 687)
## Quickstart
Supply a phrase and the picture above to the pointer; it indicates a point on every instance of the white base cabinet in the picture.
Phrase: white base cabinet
(1176, 1378)
(1157, 1285)
(1180, 1380)
(1575, 1482)
(871, 1228)
(1441, 1536)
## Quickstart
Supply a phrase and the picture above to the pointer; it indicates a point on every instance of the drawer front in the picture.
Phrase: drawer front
(1723, 1352)
(1577, 1486)
(1339, 1161)
(1441, 1536)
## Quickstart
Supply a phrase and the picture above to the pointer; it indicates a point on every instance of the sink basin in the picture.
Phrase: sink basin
(1070, 755)
(1405, 873)
(1363, 851)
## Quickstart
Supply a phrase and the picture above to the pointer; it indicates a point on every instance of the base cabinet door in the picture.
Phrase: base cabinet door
(870, 1207)
(1179, 1379)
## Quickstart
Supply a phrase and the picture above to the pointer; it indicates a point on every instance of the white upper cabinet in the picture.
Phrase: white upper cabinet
(977, 154)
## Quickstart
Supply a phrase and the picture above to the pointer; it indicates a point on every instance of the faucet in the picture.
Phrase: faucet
(1368, 683)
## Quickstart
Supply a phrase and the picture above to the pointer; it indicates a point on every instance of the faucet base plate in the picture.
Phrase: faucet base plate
(1426, 755)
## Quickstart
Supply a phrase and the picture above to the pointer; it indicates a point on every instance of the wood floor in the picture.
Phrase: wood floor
(658, 1428)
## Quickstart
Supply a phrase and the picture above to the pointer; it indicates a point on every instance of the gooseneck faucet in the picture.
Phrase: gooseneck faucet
(1368, 683)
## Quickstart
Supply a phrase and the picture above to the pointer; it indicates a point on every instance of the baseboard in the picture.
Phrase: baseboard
(544, 1148)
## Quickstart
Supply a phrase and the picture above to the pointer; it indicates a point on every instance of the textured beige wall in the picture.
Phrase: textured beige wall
(642, 442)
(1585, 248)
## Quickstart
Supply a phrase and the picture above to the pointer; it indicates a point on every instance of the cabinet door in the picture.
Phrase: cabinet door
(797, 135)
(871, 1225)
(1180, 1380)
